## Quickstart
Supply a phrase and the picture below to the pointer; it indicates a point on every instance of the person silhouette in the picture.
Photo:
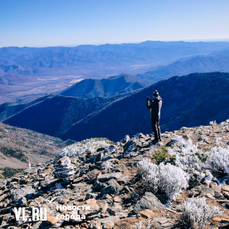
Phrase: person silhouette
(155, 114)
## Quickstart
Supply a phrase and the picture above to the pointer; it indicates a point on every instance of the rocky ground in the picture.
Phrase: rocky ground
(100, 186)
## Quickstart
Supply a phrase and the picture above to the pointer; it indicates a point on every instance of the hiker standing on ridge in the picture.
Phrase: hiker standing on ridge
(155, 114)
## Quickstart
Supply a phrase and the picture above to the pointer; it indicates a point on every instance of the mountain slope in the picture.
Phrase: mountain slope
(9, 109)
(55, 114)
(115, 85)
(19, 146)
(215, 62)
(190, 100)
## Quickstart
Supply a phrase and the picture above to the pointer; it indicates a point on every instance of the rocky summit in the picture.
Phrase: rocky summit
(180, 182)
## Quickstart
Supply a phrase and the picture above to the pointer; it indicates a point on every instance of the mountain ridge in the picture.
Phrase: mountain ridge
(31, 61)
(29, 73)
(217, 61)
(115, 85)
(185, 100)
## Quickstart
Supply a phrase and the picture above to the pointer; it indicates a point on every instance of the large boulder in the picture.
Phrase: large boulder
(148, 201)
(20, 195)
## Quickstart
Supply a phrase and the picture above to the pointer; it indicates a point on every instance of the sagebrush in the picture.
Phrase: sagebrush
(195, 212)
(165, 178)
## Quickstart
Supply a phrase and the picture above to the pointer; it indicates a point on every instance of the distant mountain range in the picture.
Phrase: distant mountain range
(29, 73)
(102, 58)
(111, 86)
(216, 61)
(190, 100)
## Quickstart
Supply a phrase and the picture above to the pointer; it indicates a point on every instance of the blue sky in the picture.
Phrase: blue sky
(40, 23)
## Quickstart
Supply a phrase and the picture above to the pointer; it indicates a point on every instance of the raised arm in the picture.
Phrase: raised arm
(148, 103)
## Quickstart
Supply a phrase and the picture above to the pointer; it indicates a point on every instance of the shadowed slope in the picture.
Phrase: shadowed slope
(190, 100)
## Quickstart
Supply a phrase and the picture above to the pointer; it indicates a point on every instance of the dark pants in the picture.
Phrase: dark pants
(156, 129)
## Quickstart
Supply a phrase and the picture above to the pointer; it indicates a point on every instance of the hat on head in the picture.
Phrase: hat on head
(156, 94)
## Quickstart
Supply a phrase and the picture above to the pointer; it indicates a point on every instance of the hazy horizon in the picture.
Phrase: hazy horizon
(120, 43)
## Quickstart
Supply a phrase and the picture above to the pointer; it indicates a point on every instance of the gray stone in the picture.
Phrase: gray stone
(108, 176)
(104, 205)
(122, 214)
(115, 208)
(36, 184)
(126, 138)
(171, 143)
(93, 215)
(100, 156)
(148, 201)
(159, 144)
(108, 219)
(219, 195)
(108, 190)
(227, 180)
(90, 196)
(47, 182)
(114, 184)
(95, 225)
(108, 198)
(2, 197)
(124, 179)
(17, 194)
(112, 188)
(22, 202)
(99, 186)
(164, 222)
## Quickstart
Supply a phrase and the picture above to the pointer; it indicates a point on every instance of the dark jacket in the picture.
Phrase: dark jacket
(155, 108)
